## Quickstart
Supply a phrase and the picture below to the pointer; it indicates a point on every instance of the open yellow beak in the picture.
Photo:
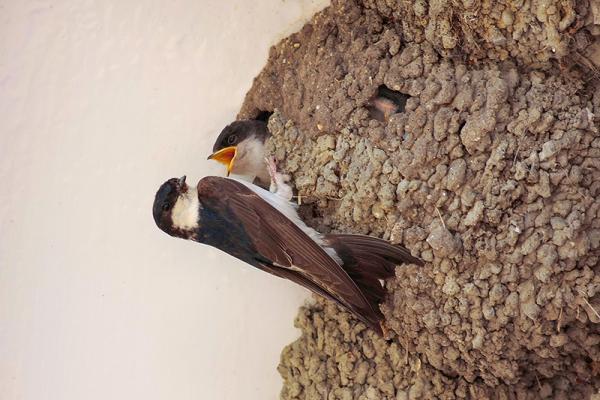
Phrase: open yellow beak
(225, 156)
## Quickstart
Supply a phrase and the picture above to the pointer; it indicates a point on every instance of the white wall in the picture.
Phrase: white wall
(100, 102)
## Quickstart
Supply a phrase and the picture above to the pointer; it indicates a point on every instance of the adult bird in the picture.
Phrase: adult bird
(263, 229)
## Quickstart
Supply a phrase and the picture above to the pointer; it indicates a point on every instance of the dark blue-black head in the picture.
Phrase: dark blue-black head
(238, 131)
(240, 147)
(175, 209)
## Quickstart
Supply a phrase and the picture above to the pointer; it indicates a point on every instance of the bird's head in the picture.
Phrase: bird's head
(240, 147)
(176, 208)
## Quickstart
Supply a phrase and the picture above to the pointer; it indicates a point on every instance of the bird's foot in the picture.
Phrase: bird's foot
(279, 181)
(385, 331)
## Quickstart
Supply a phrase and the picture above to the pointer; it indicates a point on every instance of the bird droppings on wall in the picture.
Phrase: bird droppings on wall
(490, 174)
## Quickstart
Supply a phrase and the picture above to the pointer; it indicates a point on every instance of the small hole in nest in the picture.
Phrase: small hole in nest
(263, 116)
(385, 103)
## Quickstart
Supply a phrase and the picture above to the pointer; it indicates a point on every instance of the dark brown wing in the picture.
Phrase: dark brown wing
(368, 259)
(282, 244)
(366, 246)
(372, 320)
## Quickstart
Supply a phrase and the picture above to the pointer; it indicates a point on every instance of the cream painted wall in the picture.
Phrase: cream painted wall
(100, 101)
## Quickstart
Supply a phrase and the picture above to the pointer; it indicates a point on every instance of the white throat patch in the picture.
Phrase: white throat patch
(185, 212)
(250, 160)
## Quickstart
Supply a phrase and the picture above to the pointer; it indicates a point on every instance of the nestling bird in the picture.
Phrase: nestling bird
(241, 145)
(263, 229)
(385, 103)
(241, 148)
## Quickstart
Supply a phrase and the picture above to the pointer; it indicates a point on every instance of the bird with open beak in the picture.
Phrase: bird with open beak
(241, 148)
(263, 229)
(241, 145)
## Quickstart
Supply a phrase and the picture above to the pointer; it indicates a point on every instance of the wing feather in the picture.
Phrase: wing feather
(280, 243)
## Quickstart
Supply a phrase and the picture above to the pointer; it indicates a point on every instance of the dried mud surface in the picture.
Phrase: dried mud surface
(491, 175)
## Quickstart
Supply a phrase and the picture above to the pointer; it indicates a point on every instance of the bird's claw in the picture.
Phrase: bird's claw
(271, 166)
(279, 181)
(384, 330)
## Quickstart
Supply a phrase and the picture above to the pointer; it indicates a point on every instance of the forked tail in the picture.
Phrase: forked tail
(368, 261)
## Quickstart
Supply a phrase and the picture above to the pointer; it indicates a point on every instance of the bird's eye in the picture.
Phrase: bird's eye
(232, 139)
(166, 207)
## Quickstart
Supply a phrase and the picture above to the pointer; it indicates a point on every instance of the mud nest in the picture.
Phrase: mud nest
(491, 175)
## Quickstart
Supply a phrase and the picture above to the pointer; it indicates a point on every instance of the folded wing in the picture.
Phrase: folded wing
(283, 248)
